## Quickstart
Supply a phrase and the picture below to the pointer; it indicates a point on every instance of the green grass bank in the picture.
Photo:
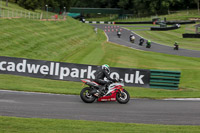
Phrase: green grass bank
(75, 42)
(72, 41)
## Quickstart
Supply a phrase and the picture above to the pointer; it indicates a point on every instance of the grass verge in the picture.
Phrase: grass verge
(66, 87)
(33, 125)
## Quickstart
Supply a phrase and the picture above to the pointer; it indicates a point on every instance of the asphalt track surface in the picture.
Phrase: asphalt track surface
(41, 105)
(155, 47)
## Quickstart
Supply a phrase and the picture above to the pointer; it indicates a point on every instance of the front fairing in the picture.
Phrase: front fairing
(112, 88)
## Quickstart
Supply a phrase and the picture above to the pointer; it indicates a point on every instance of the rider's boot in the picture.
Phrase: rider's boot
(97, 93)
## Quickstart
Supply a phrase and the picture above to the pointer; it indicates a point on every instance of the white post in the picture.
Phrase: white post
(41, 16)
(1, 9)
(47, 12)
(64, 12)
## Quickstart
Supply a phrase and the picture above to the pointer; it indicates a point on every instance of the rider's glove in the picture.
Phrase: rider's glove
(109, 82)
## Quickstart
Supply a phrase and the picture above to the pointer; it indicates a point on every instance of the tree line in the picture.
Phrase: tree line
(140, 6)
(135, 6)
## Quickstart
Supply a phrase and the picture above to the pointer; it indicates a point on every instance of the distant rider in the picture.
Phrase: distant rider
(141, 41)
(132, 38)
(148, 44)
(176, 46)
(118, 34)
(101, 73)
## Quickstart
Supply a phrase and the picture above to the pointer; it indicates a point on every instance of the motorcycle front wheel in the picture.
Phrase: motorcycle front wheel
(86, 96)
(123, 97)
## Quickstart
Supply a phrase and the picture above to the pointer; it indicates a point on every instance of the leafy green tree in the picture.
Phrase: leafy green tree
(29, 4)
(197, 2)
(139, 7)
(123, 4)
(64, 3)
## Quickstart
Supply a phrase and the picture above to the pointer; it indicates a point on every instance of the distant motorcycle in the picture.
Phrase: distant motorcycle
(119, 34)
(132, 38)
(176, 47)
(141, 42)
(148, 44)
(113, 92)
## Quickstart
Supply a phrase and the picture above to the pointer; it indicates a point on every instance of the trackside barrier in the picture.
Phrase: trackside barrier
(191, 35)
(69, 71)
(164, 79)
(75, 72)
(98, 22)
(180, 22)
(165, 28)
(151, 22)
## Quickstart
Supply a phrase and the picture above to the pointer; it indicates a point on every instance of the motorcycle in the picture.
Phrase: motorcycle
(132, 39)
(113, 92)
(175, 46)
(119, 34)
(148, 46)
(141, 42)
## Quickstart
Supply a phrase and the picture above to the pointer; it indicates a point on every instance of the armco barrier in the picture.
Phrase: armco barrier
(150, 22)
(190, 35)
(180, 22)
(164, 29)
(164, 79)
(98, 22)
(141, 22)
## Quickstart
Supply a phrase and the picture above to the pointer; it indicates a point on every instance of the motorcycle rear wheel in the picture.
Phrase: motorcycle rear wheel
(85, 95)
(123, 97)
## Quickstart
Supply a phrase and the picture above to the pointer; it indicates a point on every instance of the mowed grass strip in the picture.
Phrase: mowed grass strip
(45, 40)
(20, 83)
(33, 125)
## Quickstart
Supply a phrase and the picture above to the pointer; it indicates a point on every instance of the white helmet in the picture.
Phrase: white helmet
(106, 67)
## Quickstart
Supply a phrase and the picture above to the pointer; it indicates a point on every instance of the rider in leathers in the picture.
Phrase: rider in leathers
(102, 72)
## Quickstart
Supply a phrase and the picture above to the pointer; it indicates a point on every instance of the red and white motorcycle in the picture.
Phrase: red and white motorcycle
(113, 92)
